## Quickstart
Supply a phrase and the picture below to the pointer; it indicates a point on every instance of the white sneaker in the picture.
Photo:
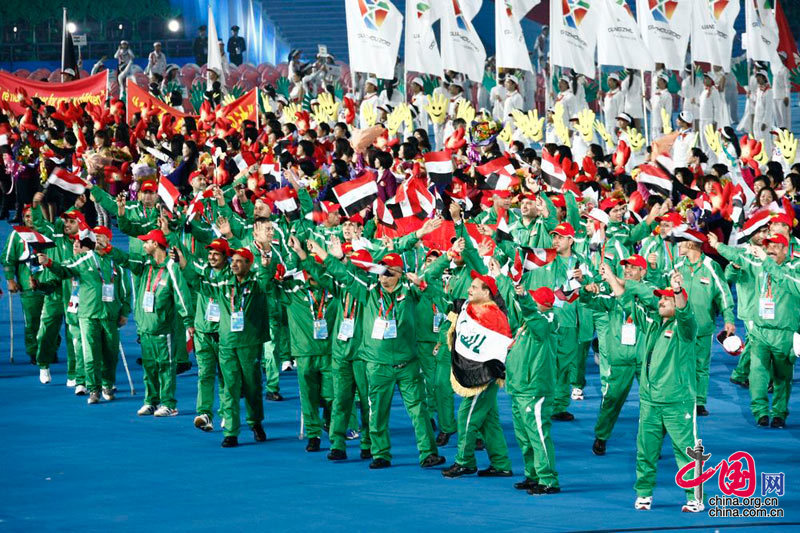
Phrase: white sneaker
(203, 422)
(693, 506)
(146, 410)
(93, 398)
(643, 503)
(71, 383)
(80, 390)
(108, 394)
(286, 366)
(44, 375)
(163, 410)
(577, 394)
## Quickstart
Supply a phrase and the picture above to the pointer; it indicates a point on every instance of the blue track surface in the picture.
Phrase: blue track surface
(68, 466)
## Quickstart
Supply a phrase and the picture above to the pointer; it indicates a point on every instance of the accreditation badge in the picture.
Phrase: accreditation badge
(346, 329)
(107, 293)
(766, 308)
(320, 330)
(391, 329)
(148, 301)
(212, 312)
(378, 328)
(628, 337)
(237, 321)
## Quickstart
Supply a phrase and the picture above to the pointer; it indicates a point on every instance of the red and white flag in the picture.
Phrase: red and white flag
(684, 233)
(439, 166)
(355, 195)
(552, 173)
(498, 174)
(537, 258)
(67, 181)
(655, 179)
(372, 268)
(412, 199)
(243, 160)
(285, 199)
(168, 193)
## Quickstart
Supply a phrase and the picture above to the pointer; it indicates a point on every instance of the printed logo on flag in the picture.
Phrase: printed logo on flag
(422, 9)
(662, 10)
(718, 7)
(461, 22)
(374, 12)
(509, 9)
(624, 3)
(574, 11)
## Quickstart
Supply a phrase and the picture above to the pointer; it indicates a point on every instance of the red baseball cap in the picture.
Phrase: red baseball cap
(564, 229)
(245, 253)
(347, 248)
(668, 292)
(558, 200)
(635, 260)
(330, 207)
(149, 186)
(488, 280)
(609, 203)
(74, 215)
(673, 217)
(777, 238)
(220, 245)
(361, 256)
(357, 219)
(155, 235)
(431, 252)
(392, 260)
(544, 296)
(102, 230)
(782, 218)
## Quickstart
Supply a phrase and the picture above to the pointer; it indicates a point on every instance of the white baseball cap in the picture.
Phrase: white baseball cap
(686, 116)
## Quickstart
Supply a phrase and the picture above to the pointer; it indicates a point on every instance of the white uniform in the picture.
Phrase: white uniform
(512, 101)
(156, 63)
(689, 93)
(746, 123)
(613, 103)
(682, 147)
(782, 92)
(661, 99)
(764, 116)
(711, 110)
(731, 93)
(370, 100)
(420, 101)
(496, 98)
(632, 89)
(570, 103)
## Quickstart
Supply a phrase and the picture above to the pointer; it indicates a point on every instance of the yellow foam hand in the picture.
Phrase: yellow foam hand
(369, 115)
(290, 112)
(712, 138)
(586, 124)
(635, 140)
(562, 132)
(666, 121)
(404, 112)
(329, 105)
(787, 144)
(466, 111)
(318, 114)
(437, 108)
(266, 104)
(603, 133)
(394, 121)
(507, 133)
(531, 126)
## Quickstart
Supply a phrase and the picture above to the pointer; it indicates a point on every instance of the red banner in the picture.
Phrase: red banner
(243, 108)
(139, 98)
(440, 239)
(91, 89)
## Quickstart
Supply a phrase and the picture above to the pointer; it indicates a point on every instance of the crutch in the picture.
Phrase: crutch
(128, 372)
(11, 325)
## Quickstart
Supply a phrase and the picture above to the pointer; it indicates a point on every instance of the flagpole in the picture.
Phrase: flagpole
(63, 38)
(644, 109)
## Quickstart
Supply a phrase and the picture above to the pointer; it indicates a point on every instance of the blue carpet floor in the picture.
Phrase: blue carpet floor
(68, 466)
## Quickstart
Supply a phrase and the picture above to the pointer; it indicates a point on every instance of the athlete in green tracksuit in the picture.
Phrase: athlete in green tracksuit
(161, 293)
(243, 329)
(389, 324)
(666, 391)
(627, 307)
(531, 380)
(16, 260)
(777, 285)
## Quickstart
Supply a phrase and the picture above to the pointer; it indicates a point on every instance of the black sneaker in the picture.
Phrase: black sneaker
(230, 442)
(563, 416)
(599, 447)
(479, 445)
(763, 421)
(366, 454)
(778, 423)
(274, 397)
(313, 444)
(258, 433)
(139, 360)
(544, 489)
(443, 438)
(745, 384)
(433, 424)
(457, 470)
(337, 455)
(526, 484)
(493, 472)
(379, 463)
(183, 367)
(432, 460)
(702, 411)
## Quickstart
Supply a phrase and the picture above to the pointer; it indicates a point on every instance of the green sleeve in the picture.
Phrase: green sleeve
(127, 292)
(640, 231)
(723, 297)
(643, 292)
(180, 294)
(369, 229)
(105, 200)
(436, 269)
(470, 255)
(351, 283)
(41, 224)
(732, 273)
(551, 221)
(781, 277)
(537, 323)
(596, 302)
(574, 214)
(306, 203)
(11, 253)
(135, 228)
(687, 326)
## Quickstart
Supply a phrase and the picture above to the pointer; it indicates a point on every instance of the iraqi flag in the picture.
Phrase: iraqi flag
(63, 179)
(552, 173)
(284, 199)
(498, 174)
(372, 268)
(760, 218)
(244, 160)
(655, 179)
(34, 240)
(355, 195)
(683, 233)
(270, 169)
(168, 193)
(568, 293)
(480, 346)
(412, 199)
(439, 166)
(534, 258)
(383, 214)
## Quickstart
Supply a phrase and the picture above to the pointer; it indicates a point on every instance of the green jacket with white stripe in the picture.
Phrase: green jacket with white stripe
(708, 291)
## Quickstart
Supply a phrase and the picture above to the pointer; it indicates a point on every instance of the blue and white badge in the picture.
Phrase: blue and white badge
(379, 329)
(148, 301)
(72, 306)
(237, 321)
(108, 292)
(320, 330)
(346, 329)
(212, 312)
(438, 318)
(391, 329)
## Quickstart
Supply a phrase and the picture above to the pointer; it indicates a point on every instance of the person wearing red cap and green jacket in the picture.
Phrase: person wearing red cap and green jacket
(206, 330)
(627, 307)
(62, 232)
(17, 258)
(100, 281)
(530, 381)
(501, 202)
(661, 252)
(776, 282)
(243, 329)
(532, 228)
(622, 236)
(389, 321)
(709, 295)
(161, 293)
(666, 390)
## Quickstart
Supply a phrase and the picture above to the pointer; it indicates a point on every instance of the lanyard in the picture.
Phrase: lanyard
(312, 302)
(158, 277)
(241, 298)
(349, 303)
(767, 285)
(100, 270)
(382, 307)
(669, 253)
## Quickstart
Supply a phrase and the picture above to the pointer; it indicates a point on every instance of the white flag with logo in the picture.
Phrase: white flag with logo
(666, 26)
(512, 52)
(712, 31)
(422, 52)
(573, 34)
(462, 49)
(619, 41)
(214, 53)
(760, 38)
(374, 28)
